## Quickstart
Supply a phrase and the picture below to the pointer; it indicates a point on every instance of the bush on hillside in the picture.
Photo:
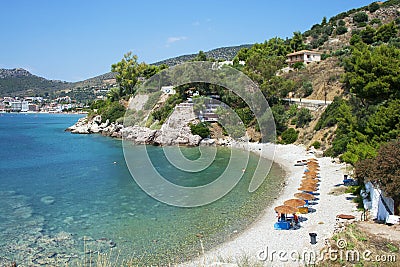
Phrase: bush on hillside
(360, 17)
(200, 129)
(112, 112)
(341, 30)
(316, 144)
(303, 117)
(373, 7)
(289, 136)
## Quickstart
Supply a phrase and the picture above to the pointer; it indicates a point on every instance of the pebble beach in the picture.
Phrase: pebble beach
(260, 240)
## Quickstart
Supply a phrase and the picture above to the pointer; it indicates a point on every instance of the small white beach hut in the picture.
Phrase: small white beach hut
(381, 208)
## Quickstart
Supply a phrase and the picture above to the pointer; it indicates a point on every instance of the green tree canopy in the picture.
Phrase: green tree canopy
(373, 7)
(201, 56)
(368, 35)
(385, 32)
(127, 73)
(373, 74)
(297, 41)
(383, 170)
(360, 17)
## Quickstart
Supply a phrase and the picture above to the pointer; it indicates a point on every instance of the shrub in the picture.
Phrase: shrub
(355, 39)
(307, 88)
(360, 17)
(368, 35)
(303, 117)
(98, 104)
(316, 144)
(246, 115)
(341, 30)
(289, 136)
(162, 113)
(298, 66)
(113, 112)
(385, 32)
(341, 23)
(325, 56)
(361, 24)
(331, 114)
(375, 21)
(328, 30)
(200, 129)
(152, 100)
(373, 7)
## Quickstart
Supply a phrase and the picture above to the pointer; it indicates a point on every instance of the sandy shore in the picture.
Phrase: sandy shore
(260, 239)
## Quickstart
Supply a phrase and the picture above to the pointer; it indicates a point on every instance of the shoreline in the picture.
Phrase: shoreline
(259, 240)
(260, 235)
(46, 112)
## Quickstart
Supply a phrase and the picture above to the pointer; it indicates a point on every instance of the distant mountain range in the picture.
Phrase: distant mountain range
(222, 53)
(20, 82)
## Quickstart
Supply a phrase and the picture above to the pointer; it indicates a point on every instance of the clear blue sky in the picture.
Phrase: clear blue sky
(73, 40)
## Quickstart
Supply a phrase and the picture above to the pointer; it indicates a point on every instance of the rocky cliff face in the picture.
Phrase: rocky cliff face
(175, 131)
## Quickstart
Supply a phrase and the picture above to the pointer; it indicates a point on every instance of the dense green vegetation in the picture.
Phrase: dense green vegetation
(162, 113)
(20, 84)
(366, 116)
(370, 116)
(127, 73)
(222, 53)
(383, 171)
(200, 129)
(289, 136)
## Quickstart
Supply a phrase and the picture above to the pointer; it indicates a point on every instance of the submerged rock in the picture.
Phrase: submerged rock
(48, 200)
(207, 142)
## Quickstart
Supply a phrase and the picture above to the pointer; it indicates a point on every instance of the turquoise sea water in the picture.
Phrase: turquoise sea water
(66, 197)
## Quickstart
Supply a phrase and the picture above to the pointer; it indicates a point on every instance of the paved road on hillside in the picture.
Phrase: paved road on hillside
(308, 101)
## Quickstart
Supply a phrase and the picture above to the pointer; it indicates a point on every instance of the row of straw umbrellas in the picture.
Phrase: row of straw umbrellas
(309, 183)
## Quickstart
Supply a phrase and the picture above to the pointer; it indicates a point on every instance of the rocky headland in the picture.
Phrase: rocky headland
(175, 131)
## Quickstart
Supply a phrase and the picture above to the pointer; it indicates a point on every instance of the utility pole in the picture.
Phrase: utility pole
(323, 77)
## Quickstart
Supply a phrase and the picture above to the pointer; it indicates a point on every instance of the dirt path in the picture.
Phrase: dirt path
(391, 233)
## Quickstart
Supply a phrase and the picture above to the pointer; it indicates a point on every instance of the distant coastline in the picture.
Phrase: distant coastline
(44, 112)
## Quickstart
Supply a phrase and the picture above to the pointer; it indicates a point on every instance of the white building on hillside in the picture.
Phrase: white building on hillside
(304, 56)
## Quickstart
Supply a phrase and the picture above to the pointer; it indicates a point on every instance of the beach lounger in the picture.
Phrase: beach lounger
(348, 182)
(282, 225)
(303, 210)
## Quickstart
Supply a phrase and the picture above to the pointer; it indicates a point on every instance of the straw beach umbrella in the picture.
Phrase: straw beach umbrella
(313, 167)
(284, 209)
(294, 202)
(304, 196)
(308, 184)
(310, 173)
(310, 176)
(310, 179)
(308, 188)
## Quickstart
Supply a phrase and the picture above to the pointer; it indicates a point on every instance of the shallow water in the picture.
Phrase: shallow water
(64, 195)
